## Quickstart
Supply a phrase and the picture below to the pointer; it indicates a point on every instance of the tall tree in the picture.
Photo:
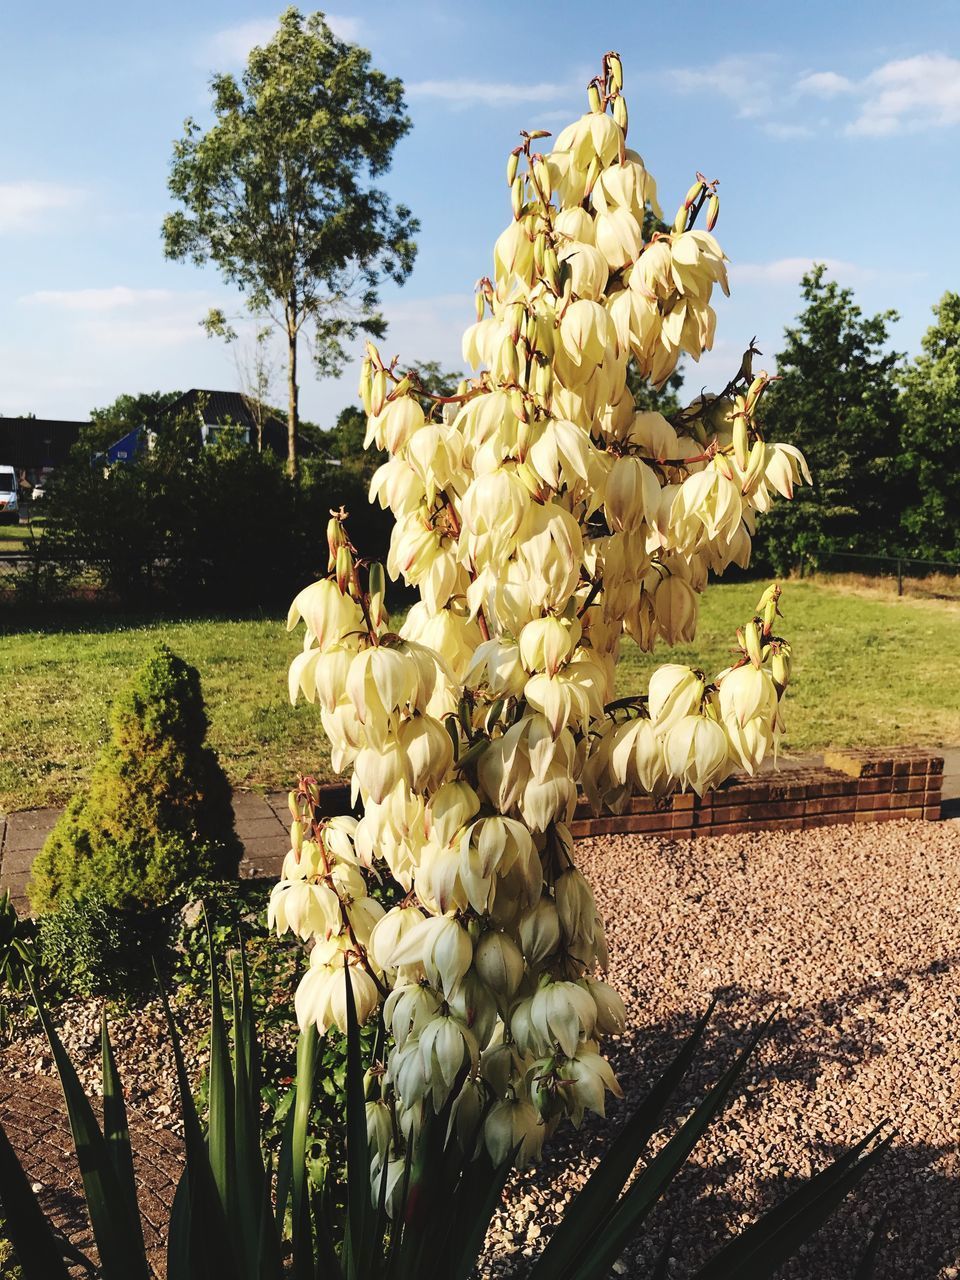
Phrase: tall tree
(837, 399)
(931, 437)
(278, 192)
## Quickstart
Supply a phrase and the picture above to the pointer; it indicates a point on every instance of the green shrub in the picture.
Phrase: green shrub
(93, 948)
(157, 811)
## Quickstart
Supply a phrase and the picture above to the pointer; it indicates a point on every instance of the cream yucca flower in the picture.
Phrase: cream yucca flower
(541, 518)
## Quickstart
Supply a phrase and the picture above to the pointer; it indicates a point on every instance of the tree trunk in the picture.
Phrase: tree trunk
(292, 389)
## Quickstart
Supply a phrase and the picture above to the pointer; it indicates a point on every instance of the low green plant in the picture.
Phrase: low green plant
(238, 1214)
(18, 956)
(9, 1267)
(90, 947)
(157, 811)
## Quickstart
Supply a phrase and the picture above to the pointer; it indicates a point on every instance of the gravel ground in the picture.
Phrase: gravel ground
(851, 936)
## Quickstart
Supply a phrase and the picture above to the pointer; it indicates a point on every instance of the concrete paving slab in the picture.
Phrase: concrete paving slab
(18, 861)
(28, 829)
(250, 804)
(255, 828)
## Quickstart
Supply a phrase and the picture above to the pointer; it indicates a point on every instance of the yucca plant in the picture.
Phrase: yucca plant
(18, 957)
(241, 1213)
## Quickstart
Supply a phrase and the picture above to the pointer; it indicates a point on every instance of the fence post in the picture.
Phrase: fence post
(899, 577)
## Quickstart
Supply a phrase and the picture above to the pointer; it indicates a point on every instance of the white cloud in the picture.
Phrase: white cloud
(911, 94)
(824, 84)
(777, 129)
(746, 82)
(98, 300)
(70, 349)
(23, 204)
(790, 271)
(231, 45)
(428, 328)
(118, 318)
(467, 93)
(906, 95)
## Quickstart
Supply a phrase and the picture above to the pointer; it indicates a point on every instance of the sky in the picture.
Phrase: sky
(833, 127)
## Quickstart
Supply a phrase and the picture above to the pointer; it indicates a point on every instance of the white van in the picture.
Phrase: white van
(9, 497)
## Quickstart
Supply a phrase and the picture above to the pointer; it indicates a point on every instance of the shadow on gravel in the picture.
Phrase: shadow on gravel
(916, 1189)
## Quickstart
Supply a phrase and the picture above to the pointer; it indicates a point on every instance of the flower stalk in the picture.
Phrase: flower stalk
(542, 518)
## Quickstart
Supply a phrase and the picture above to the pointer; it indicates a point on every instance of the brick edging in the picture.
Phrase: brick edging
(852, 786)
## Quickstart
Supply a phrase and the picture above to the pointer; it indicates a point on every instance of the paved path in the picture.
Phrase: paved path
(33, 1117)
(262, 823)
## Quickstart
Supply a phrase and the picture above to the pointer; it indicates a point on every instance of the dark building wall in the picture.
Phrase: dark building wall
(31, 444)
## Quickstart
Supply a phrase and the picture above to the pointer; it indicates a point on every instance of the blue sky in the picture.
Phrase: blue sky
(833, 127)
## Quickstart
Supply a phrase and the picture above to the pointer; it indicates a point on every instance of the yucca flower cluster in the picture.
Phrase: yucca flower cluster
(541, 517)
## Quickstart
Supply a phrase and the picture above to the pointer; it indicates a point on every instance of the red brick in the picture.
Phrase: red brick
(643, 805)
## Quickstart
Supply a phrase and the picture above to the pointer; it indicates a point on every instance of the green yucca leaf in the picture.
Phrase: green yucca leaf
(662, 1264)
(480, 1194)
(119, 1237)
(596, 1200)
(302, 1240)
(115, 1130)
(38, 1250)
(359, 1239)
(621, 1224)
(246, 1178)
(220, 1103)
(198, 1246)
(765, 1245)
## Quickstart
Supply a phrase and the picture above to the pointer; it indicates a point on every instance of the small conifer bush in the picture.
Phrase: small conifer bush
(157, 812)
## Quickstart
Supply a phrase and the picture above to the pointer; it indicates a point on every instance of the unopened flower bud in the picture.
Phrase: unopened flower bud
(542, 174)
(594, 101)
(516, 197)
(344, 568)
(751, 636)
(376, 586)
(513, 161)
(680, 221)
(693, 194)
(296, 836)
(620, 112)
(335, 540)
(551, 269)
(615, 70)
(378, 392)
(363, 389)
(780, 666)
(713, 211)
(741, 442)
(756, 390)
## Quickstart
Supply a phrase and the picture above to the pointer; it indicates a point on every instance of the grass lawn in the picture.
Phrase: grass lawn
(14, 537)
(868, 669)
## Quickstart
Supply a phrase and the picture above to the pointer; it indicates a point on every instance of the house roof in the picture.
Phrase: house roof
(218, 407)
(32, 443)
